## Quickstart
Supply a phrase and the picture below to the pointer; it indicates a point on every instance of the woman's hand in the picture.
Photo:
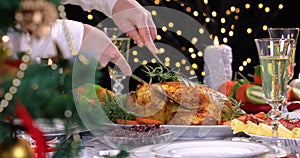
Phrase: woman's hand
(96, 44)
(136, 21)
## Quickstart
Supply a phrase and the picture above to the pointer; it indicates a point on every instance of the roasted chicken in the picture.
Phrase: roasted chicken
(188, 105)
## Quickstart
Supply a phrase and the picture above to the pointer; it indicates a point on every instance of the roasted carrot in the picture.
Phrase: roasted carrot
(242, 118)
(228, 123)
(148, 121)
(129, 122)
(260, 115)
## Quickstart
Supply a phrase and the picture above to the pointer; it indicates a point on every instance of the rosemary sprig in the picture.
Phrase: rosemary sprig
(160, 73)
(113, 110)
(230, 113)
(237, 111)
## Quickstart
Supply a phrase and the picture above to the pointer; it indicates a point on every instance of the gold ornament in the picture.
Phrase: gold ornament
(36, 17)
(20, 148)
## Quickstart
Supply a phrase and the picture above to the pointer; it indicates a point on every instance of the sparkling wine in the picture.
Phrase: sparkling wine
(275, 77)
(292, 62)
(276, 66)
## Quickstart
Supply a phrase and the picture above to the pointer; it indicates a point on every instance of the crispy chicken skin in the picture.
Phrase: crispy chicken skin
(197, 105)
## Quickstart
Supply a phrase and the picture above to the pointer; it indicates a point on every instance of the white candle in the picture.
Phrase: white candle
(217, 64)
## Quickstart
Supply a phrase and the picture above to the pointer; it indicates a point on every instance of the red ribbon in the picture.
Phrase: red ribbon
(14, 63)
(30, 127)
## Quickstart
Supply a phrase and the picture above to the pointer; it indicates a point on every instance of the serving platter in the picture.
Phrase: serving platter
(201, 148)
(186, 132)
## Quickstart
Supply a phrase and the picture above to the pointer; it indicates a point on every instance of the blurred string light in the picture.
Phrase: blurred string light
(5, 38)
(190, 9)
(230, 17)
(221, 19)
(225, 21)
(90, 16)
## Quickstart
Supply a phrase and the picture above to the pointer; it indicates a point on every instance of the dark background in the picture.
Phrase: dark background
(242, 43)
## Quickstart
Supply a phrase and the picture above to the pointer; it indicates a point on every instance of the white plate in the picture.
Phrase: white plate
(202, 148)
(200, 132)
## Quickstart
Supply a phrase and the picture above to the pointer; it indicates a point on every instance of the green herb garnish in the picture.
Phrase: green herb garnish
(161, 73)
(113, 110)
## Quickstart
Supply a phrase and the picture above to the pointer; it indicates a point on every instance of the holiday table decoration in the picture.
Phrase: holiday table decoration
(217, 65)
(35, 88)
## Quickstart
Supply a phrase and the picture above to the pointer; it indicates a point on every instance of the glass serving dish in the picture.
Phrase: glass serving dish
(128, 143)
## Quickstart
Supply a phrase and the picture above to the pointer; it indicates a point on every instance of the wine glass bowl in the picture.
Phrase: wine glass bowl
(274, 57)
(284, 33)
(288, 33)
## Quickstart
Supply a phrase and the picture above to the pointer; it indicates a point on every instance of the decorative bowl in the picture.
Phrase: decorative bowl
(128, 143)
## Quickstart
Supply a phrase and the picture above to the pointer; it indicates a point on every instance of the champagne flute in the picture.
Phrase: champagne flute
(274, 55)
(122, 42)
(288, 33)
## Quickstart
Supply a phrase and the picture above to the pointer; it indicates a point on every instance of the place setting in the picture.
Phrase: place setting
(149, 79)
(214, 137)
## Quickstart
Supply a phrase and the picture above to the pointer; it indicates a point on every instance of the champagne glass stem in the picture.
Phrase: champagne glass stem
(275, 115)
(284, 105)
(118, 87)
(117, 76)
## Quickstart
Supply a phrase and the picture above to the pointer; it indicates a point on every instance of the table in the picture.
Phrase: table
(93, 145)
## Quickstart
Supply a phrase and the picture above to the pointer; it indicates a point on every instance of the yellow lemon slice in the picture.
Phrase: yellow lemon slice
(237, 126)
(264, 130)
(283, 132)
(296, 133)
(251, 128)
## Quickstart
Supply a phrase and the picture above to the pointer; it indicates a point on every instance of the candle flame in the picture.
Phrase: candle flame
(216, 41)
(50, 62)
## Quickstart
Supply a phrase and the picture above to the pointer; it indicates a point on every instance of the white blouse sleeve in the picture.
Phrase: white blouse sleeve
(45, 47)
(105, 6)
